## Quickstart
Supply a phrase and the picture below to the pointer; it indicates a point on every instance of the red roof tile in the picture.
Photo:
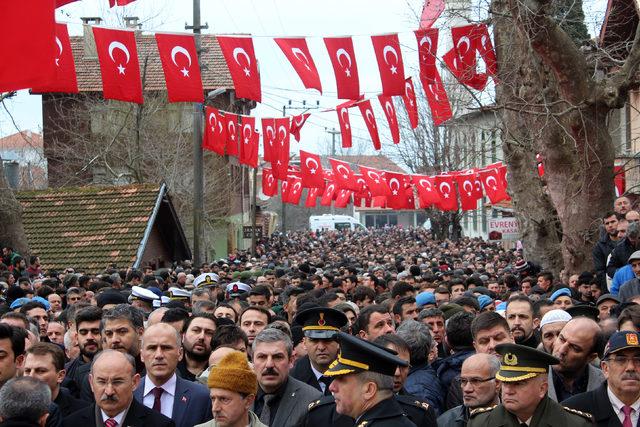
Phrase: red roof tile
(21, 140)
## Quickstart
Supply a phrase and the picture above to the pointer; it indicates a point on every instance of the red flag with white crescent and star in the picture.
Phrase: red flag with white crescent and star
(467, 191)
(269, 183)
(430, 12)
(312, 197)
(390, 113)
(410, 102)
(280, 161)
(426, 192)
(343, 59)
(119, 66)
(242, 63)
(485, 48)
(65, 80)
(231, 125)
(370, 121)
(438, 100)
(427, 51)
(268, 138)
(375, 181)
(345, 125)
(249, 142)
(293, 191)
(311, 170)
(343, 198)
(297, 52)
(215, 131)
(343, 175)
(493, 184)
(180, 65)
(397, 198)
(447, 191)
(296, 125)
(390, 65)
(329, 194)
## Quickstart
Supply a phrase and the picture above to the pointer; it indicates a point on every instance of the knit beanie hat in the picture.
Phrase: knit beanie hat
(234, 373)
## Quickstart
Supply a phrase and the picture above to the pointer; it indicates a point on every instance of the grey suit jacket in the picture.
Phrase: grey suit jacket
(596, 378)
(294, 403)
(191, 404)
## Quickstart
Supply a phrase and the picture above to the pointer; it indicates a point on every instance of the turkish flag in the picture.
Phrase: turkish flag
(361, 184)
(113, 3)
(119, 65)
(231, 124)
(619, 180)
(268, 138)
(410, 103)
(294, 190)
(467, 191)
(298, 54)
(280, 162)
(181, 69)
(390, 113)
(345, 125)
(375, 181)
(28, 49)
(362, 199)
(427, 51)
(65, 70)
(269, 183)
(447, 192)
(329, 194)
(243, 66)
(343, 198)
(311, 170)
(426, 191)
(343, 175)
(438, 100)
(465, 74)
(540, 162)
(493, 184)
(390, 65)
(370, 121)
(484, 46)
(397, 198)
(312, 196)
(215, 131)
(296, 125)
(430, 12)
(249, 142)
(343, 59)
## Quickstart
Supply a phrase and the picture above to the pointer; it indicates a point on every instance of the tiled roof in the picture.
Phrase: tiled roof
(215, 73)
(21, 140)
(87, 228)
(376, 162)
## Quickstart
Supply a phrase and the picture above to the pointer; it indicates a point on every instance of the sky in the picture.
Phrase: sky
(265, 19)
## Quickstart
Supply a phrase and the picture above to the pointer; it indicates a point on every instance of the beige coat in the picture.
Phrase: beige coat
(253, 422)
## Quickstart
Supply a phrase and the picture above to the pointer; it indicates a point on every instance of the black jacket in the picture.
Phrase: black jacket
(67, 403)
(601, 251)
(597, 403)
(302, 372)
(620, 256)
(137, 416)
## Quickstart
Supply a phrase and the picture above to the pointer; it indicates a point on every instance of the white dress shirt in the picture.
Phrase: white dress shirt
(318, 375)
(617, 408)
(119, 418)
(167, 398)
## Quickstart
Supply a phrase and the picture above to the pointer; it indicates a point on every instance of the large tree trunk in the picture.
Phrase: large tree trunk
(11, 229)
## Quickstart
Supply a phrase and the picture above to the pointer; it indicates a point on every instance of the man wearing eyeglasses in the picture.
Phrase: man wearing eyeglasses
(480, 388)
(617, 401)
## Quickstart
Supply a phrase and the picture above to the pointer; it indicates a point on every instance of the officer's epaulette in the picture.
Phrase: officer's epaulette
(324, 400)
(582, 414)
(477, 411)
(364, 423)
(411, 400)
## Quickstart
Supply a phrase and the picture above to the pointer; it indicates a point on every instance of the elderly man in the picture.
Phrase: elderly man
(113, 378)
(232, 388)
(24, 402)
(480, 388)
(161, 389)
(523, 373)
(281, 400)
(576, 347)
(615, 402)
(550, 326)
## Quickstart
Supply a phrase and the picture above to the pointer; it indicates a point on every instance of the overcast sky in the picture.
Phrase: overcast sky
(265, 19)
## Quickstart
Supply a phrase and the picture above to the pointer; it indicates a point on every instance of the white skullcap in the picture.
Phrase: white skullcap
(555, 316)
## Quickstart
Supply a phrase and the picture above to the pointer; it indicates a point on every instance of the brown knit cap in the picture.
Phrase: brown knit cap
(234, 373)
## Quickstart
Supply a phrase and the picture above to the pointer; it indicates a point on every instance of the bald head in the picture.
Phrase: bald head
(477, 380)
(156, 316)
(576, 345)
(162, 328)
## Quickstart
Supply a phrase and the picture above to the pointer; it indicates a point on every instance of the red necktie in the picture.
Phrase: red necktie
(110, 423)
(627, 416)
(157, 394)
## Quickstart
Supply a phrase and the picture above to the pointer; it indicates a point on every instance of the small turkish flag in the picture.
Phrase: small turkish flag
(485, 48)
(294, 190)
(215, 131)
(249, 142)
(390, 112)
(465, 74)
(119, 65)
(343, 59)
(343, 198)
(427, 51)
(370, 121)
(493, 185)
(65, 70)
(329, 194)
(268, 138)
(243, 66)
(311, 170)
(396, 199)
(426, 192)
(410, 103)
(345, 125)
(467, 192)
(447, 192)
(296, 125)
(343, 175)
(280, 162)
(619, 180)
(390, 65)
(438, 100)
(298, 54)
(430, 12)
(312, 197)
(375, 181)
(181, 69)
(361, 184)
(231, 125)
(269, 183)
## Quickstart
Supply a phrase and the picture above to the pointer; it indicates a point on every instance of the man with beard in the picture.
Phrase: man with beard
(196, 342)
(522, 324)
(617, 400)
(576, 347)
(607, 242)
(87, 323)
(551, 325)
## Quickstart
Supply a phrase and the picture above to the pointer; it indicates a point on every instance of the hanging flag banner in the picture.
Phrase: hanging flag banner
(343, 60)
(179, 60)
(242, 63)
(297, 52)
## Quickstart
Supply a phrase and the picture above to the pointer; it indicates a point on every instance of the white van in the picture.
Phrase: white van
(333, 222)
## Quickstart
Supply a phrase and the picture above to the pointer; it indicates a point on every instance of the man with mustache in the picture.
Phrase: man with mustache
(617, 401)
(113, 378)
(196, 341)
(281, 399)
(87, 321)
(522, 324)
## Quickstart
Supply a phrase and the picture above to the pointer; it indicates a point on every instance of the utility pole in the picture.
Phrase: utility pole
(333, 133)
(198, 162)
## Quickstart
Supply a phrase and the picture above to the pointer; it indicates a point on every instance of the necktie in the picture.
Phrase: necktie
(157, 394)
(326, 381)
(265, 415)
(627, 416)
(110, 423)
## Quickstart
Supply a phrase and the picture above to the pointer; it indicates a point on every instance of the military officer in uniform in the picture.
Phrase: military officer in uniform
(524, 375)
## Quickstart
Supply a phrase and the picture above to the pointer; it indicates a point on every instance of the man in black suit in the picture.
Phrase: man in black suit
(113, 378)
(617, 401)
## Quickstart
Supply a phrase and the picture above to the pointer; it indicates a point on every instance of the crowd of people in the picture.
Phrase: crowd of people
(383, 327)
